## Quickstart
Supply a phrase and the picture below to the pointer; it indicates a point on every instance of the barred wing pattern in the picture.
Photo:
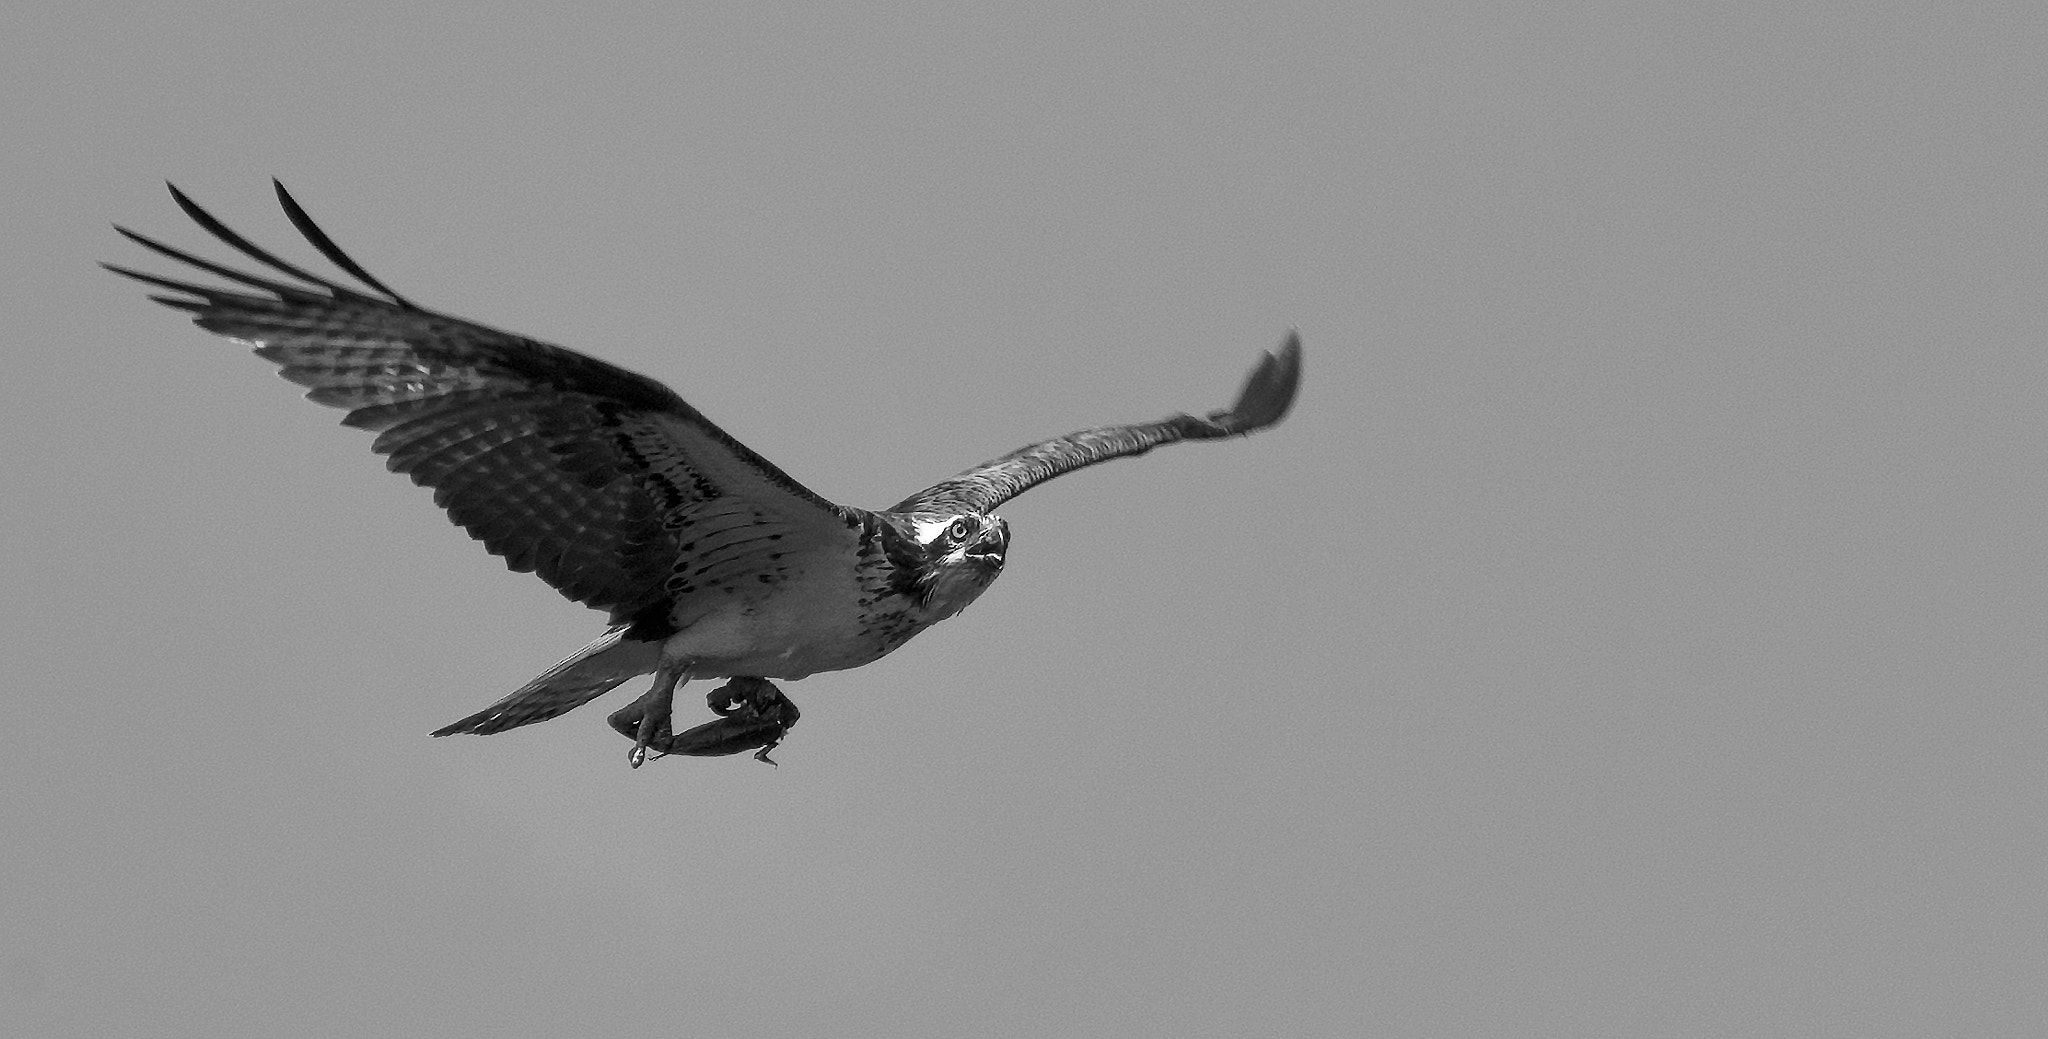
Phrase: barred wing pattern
(602, 482)
(1268, 393)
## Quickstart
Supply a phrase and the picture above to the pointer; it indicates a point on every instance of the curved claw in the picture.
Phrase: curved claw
(753, 713)
(646, 721)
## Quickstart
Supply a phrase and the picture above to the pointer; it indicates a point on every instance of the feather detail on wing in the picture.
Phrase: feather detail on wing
(1268, 393)
(602, 482)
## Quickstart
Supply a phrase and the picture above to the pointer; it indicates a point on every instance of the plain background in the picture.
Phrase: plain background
(1640, 627)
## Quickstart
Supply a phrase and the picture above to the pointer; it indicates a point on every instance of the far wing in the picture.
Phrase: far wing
(1268, 393)
(602, 482)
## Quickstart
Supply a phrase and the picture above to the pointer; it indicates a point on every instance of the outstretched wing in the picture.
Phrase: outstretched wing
(602, 482)
(1267, 394)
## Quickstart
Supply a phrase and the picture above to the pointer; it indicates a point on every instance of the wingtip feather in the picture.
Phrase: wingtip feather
(1268, 391)
(187, 206)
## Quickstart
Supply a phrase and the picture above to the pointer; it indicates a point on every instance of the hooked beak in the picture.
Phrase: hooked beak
(989, 548)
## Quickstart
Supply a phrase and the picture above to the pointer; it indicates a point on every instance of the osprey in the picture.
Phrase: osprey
(711, 562)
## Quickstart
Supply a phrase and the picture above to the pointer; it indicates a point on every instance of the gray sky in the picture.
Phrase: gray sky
(1640, 627)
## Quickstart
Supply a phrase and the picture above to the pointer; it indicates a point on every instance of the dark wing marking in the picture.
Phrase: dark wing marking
(1267, 394)
(602, 482)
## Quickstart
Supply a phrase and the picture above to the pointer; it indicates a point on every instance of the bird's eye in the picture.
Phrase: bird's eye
(958, 530)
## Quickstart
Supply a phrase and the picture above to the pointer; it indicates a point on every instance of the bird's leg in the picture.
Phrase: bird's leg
(646, 720)
(752, 713)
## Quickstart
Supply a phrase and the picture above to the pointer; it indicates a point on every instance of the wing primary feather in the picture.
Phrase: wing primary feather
(1268, 391)
(326, 245)
(251, 249)
(151, 279)
(278, 288)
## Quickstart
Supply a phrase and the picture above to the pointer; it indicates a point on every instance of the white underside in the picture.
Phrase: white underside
(807, 623)
(786, 636)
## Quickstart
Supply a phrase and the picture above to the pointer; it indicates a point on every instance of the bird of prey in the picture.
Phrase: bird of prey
(711, 561)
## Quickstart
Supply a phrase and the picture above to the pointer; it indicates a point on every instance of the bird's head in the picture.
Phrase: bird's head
(963, 554)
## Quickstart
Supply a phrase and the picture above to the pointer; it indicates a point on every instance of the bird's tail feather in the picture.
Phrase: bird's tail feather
(587, 674)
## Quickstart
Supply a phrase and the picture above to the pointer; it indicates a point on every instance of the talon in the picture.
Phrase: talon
(646, 721)
(752, 712)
